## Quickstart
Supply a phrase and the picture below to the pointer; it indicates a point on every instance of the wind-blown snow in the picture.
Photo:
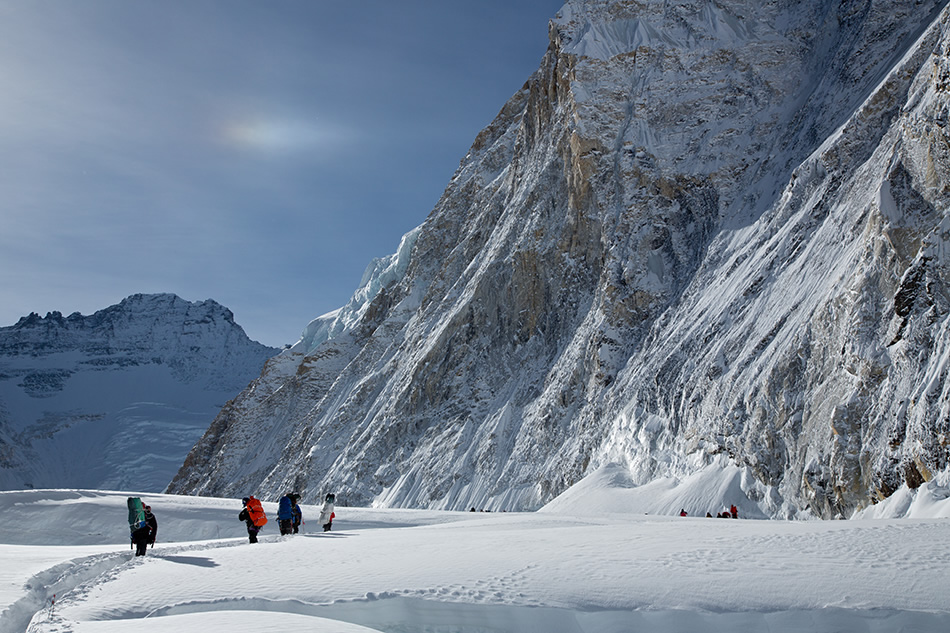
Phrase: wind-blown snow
(380, 273)
(588, 563)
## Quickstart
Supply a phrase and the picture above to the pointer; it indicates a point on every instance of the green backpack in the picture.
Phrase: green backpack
(136, 513)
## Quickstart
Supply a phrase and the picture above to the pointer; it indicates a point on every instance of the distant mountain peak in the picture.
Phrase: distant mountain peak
(116, 398)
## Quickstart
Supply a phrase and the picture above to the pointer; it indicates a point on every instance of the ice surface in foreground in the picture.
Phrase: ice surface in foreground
(572, 568)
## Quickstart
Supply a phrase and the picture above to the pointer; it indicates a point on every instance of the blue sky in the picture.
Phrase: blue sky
(255, 153)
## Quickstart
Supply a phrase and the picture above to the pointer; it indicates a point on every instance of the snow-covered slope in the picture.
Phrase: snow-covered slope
(592, 564)
(118, 398)
(704, 234)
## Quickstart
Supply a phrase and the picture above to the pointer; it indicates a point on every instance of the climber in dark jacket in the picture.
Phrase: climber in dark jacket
(145, 534)
(298, 515)
(245, 516)
(152, 524)
(140, 539)
(285, 514)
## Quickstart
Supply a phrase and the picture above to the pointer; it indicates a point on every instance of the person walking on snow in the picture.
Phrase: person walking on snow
(152, 523)
(285, 515)
(140, 537)
(139, 528)
(298, 515)
(326, 513)
(248, 517)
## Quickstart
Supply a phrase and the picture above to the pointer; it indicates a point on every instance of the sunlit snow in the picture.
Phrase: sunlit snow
(586, 563)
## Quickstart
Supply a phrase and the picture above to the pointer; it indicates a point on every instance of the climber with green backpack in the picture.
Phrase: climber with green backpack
(139, 529)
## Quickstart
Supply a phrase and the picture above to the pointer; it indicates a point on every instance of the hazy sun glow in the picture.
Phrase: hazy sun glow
(278, 135)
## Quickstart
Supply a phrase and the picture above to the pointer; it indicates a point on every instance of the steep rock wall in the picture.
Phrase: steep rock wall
(631, 264)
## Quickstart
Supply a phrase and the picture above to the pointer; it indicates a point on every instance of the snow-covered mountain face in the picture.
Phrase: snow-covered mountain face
(116, 399)
(703, 234)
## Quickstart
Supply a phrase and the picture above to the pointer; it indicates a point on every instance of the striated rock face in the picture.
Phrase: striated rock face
(701, 232)
(116, 399)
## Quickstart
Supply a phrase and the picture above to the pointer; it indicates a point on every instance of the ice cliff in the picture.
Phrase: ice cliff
(703, 235)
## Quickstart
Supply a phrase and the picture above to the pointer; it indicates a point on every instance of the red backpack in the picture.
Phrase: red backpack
(256, 512)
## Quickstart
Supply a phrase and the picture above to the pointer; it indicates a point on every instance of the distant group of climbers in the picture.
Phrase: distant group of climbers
(731, 513)
(289, 515)
(143, 525)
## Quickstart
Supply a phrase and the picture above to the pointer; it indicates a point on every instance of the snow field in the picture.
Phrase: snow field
(412, 570)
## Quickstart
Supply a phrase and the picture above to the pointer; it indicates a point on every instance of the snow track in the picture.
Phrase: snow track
(74, 579)
(577, 570)
(51, 582)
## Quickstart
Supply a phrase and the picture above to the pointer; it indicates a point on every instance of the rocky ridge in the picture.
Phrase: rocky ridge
(701, 234)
